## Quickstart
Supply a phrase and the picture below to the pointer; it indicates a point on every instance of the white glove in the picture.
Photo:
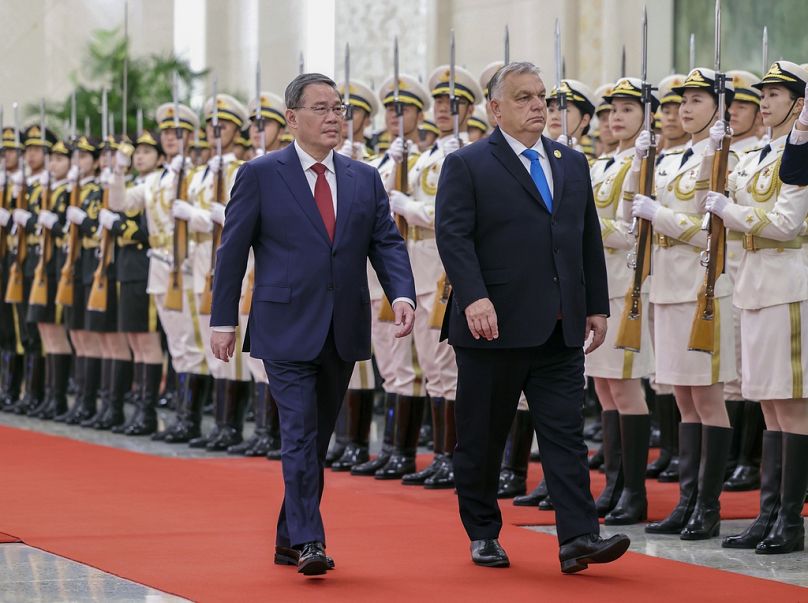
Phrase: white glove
(182, 210)
(176, 164)
(642, 144)
(644, 207)
(21, 217)
(803, 118)
(259, 152)
(2, 177)
(16, 184)
(47, 219)
(107, 218)
(122, 161)
(450, 145)
(399, 202)
(346, 149)
(564, 140)
(217, 213)
(73, 173)
(44, 179)
(396, 150)
(76, 215)
(105, 178)
(717, 135)
(715, 203)
(215, 163)
(5, 216)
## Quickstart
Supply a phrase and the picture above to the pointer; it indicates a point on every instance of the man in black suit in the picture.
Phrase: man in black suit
(520, 240)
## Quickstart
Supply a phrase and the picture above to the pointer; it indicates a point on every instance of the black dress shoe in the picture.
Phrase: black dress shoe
(285, 555)
(489, 553)
(545, 504)
(743, 479)
(533, 498)
(312, 560)
(578, 553)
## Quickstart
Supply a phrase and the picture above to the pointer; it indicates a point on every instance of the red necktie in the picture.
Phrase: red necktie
(324, 200)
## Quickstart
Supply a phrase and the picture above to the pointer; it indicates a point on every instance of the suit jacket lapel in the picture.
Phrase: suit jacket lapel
(345, 193)
(557, 167)
(505, 155)
(296, 181)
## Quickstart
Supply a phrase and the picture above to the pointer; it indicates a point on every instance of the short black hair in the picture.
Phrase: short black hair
(296, 88)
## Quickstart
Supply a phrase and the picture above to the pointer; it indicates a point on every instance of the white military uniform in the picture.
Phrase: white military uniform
(771, 287)
(611, 187)
(202, 195)
(155, 196)
(678, 277)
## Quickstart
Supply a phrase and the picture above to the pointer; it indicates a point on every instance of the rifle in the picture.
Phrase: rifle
(206, 299)
(64, 291)
(629, 333)
(562, 95)
(347, 96)
(97, 300)
(173, 299)
(39, 287)
(702, 333)
(4, 201)
(14, 290)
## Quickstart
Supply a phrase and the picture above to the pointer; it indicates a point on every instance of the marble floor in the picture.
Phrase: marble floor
(31, 575)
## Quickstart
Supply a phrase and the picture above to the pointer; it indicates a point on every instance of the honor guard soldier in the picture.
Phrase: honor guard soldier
(745, 118)
(273, 116)
(168, 279)
(285, 140)
(11, 361)
(427, 132)
(478, 125)
(580, 109)
(674, 138)
(42, 308)
(364, 107)
(606, 143)
(200, 148)
(485, 79)
(204, 210)
(705, 434)
(771, 290)
(38, 144)
(243, 149)
(395, 357)
(435, 357)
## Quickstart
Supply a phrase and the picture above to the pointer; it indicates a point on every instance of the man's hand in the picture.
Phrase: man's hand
(223, 344)
(405, 318)
(597, 326)
(482, 319)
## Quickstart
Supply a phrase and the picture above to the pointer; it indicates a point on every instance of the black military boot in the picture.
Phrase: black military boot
(746, 474)
(771, 469)
(179, 407)
(788, 532)
(735, 412)
(145, 422)
(168, 397)
(231, 432)
(86, 405)
(689, 457)
(103, 394)
(443, 478)
(596, 461)
(138, 378)
(34, 384)
(120, 383)
(612, 463)
(12, 380)
(359, 404)
(405, 438)
(340, 437)
(273, 428)
(59, 377)
(632, 506)
(515, 458)
(79, 382)
(426, 436)
(47, 390)
(189, 412)
(219, 393)
(260, 434)
(670, 473)
(705, 521)
(437, 406)
(666, 416)
(534, 497)
(370, 468)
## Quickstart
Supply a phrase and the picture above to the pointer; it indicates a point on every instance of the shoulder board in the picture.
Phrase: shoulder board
(754, 149)
(237, 162)
(674, 152)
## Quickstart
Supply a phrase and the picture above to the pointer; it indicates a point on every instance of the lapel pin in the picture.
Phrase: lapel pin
(557, 154)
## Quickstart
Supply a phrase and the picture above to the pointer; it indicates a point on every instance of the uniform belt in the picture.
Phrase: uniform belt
(32, 240)
(752, 243)
(89, 243)
(734, 235)
(158, 241)
(666, 241)
(419, 233)
(203, 237)
(128, 242)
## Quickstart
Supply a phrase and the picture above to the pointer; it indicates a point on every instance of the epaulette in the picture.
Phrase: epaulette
(674, 152)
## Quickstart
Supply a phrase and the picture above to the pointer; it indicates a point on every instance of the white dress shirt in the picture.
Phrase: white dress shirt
(306, 161)
(518, 147)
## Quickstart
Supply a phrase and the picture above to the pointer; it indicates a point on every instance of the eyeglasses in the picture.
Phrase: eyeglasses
(322, 110)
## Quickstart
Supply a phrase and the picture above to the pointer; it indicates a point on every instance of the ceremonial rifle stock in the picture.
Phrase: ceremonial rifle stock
(14, 289)
(206, 299)
(39, 287)
(173, 299)
(99, 291)
(64, 292)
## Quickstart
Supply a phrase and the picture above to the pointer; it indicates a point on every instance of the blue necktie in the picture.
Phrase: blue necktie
(539, 178)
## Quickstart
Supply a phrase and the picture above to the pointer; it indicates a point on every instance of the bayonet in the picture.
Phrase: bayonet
(73, 117)
(561, 95)
(139, 121)
(347, 101)
(692, 52)
(87, 126)
(259, 116)
(124, 107)
(397, 104)
(177, 127)
(217, 128)
(623, 62)
(452, 96)
(104, 117)
(301, 64)
(507, 45)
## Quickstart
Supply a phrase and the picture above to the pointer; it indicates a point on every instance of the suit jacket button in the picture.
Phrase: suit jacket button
(330, 287)
(555, 250)
(555, 279)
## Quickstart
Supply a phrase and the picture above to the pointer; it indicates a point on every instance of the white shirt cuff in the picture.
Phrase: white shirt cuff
(404, 299)
(223, 329)
(798, 136)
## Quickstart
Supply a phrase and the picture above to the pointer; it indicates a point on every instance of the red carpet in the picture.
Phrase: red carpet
(204, 529)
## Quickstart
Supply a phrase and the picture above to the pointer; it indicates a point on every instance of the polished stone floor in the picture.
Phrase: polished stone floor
(28, 574)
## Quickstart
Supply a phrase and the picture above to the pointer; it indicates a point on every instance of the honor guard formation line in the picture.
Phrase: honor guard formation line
(108, 253)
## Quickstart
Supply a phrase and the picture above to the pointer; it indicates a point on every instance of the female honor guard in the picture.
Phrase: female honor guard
(580, 110)
(771, 289)
(698, 378)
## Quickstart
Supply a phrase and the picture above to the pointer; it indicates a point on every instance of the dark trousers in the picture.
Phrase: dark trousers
(488, 389)
(309, 396)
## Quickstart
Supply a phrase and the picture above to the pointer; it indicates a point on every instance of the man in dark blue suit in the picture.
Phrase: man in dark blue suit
(312, 218)
(520, 239)
(794, 165)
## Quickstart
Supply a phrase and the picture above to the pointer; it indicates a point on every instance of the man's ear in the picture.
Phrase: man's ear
(495, 108)
(291, 119)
